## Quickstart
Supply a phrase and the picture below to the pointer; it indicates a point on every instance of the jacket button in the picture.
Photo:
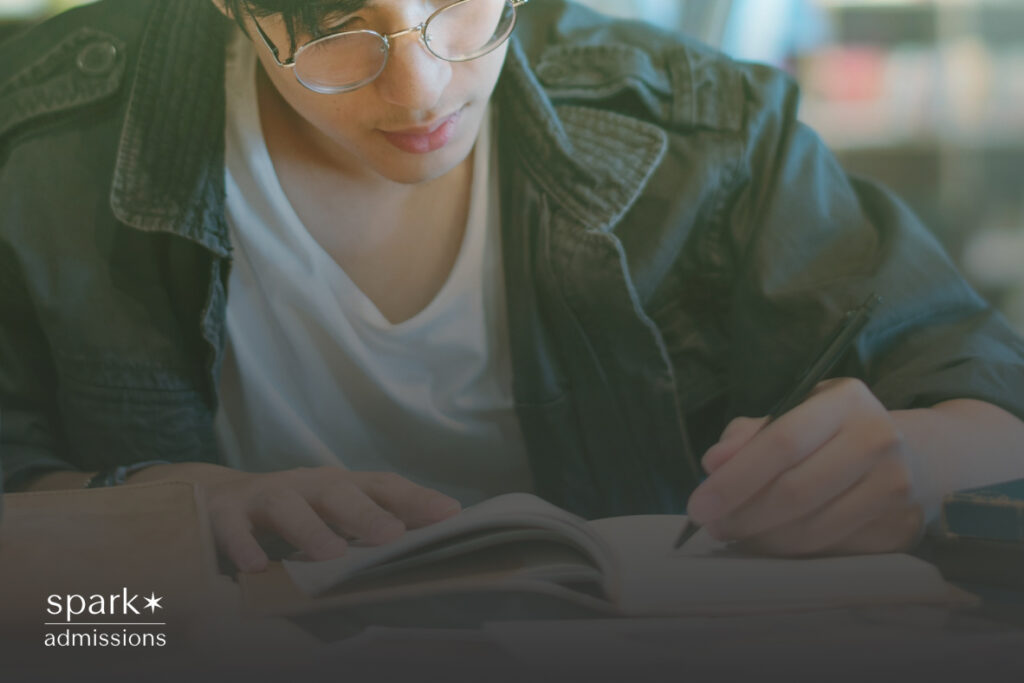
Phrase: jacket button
(96, 59)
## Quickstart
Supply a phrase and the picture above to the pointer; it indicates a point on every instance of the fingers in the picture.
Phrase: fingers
(287, 513)
(233, 533)
(773, 450)
(836, 467)
(741, 430)
(415, 505)
(353, 512)
(873, 515)
(309, 508)
(782, 445)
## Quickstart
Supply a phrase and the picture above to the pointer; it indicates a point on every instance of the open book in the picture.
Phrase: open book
(517, 544)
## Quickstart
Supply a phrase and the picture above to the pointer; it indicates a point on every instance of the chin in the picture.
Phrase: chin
(413, 169)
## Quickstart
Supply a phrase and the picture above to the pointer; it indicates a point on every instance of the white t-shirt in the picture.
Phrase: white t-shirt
(314, 374)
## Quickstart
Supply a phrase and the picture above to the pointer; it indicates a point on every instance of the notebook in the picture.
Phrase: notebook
(523, 548)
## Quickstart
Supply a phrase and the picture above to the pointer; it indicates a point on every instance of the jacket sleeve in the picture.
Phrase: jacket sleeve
(809, 243)
(29, 439)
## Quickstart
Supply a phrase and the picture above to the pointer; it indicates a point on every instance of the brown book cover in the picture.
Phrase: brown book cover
(145, 539)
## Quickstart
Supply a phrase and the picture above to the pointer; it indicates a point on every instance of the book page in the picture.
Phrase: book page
(706, 576)
(492, 522)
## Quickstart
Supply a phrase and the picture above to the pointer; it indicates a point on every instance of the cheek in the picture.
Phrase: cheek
(338, 116)
(486, 70)
(475, 80)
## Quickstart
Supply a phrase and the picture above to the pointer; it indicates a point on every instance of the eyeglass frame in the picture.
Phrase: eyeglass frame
(386, 37)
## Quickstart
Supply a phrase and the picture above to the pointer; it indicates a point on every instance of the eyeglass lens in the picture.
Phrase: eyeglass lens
(463, 30)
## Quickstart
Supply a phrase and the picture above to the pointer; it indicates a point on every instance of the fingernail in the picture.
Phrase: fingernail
(705, 506)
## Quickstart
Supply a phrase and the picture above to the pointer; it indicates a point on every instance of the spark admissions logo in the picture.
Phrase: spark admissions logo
(104, 621)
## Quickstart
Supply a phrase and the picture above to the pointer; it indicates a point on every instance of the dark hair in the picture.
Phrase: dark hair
(299, 16)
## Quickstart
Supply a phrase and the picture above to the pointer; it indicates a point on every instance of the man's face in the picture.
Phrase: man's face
(416, 121)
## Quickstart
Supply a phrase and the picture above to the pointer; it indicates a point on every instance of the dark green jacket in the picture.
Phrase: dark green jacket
(675, 245)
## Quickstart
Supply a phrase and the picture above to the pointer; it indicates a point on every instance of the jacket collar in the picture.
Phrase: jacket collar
(594, 163)
(169, 175)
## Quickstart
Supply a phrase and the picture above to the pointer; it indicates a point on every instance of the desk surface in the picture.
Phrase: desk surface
(211, 639)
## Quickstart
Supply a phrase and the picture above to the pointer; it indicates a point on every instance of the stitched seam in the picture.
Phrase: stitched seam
(605, 139)
(35, 95)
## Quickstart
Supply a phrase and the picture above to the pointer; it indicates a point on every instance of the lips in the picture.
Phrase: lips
(425, 139)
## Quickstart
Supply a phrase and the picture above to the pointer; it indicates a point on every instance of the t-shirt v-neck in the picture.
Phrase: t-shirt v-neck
(315, 374)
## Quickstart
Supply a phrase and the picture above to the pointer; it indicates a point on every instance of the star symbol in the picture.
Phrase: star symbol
(153, 603)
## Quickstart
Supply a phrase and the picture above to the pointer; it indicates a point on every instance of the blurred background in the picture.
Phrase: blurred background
(926, 96)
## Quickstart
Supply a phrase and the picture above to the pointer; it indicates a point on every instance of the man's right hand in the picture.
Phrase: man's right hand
(313, 509)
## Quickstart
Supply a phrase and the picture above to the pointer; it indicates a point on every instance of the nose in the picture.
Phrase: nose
(413, 78)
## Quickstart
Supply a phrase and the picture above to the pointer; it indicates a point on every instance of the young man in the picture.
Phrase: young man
(364, 244)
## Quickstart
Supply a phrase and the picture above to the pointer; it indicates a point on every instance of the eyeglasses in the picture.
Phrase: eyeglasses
(341, 62)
